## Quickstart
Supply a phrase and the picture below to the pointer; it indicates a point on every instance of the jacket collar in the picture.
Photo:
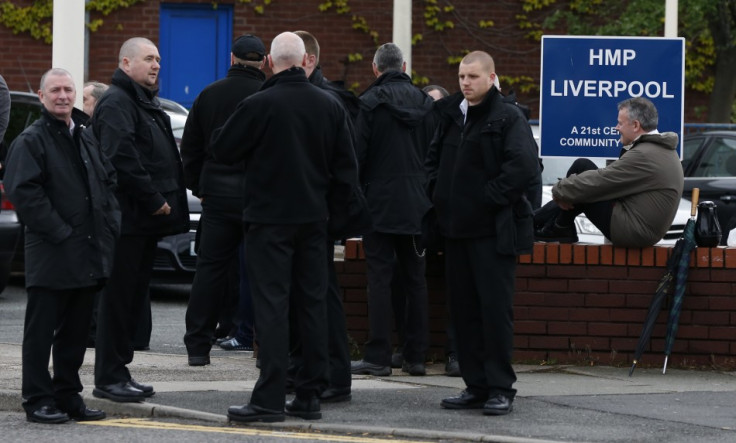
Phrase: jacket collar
(246, 71)
(388, 77)
(294, 74)
(140, 94)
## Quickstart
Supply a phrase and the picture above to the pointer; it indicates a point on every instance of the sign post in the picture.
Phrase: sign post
(584, 79)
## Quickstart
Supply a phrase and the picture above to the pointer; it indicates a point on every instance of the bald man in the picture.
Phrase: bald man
(480, 163)
(135, 134)
(296, 145)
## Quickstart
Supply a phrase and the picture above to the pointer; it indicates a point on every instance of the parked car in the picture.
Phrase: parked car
(175, 256)
(709, 162)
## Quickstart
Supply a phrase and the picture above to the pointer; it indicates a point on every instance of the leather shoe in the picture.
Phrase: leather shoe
(466, 400)
(248, 414)
(452, 367)
(86, 414)
(146, 389)
(121, 392)
(306, 408)
(335, 395)
(199, 360)
(47, 414)
(414, 368)
(498, 405)
(552, 232)
(362, 367)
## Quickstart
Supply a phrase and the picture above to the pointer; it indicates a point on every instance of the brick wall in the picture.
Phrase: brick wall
(587, 303)
(515, 55)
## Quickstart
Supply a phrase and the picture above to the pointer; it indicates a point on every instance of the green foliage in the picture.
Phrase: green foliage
(361, 24)
(419, 80)
(522, 83)
(432, 16)
(341, 6)
(416, 38)
(355, 57)
(36, 19)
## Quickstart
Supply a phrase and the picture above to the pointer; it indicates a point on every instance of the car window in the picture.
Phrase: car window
(689, 147)
(719, 160)
(21, 116)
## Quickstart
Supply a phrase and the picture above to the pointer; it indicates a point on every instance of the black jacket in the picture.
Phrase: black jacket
(211, 109)
(135, 134)
(394, 128)
(480, 168)
(63, 191)
(349, 100)
(295, 141)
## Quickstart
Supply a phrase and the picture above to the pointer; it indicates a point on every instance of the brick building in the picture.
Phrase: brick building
(340, 34)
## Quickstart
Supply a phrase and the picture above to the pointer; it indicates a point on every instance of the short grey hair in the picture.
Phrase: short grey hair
(388, 57)
(54, 71)
(643, 110)
(97, 89)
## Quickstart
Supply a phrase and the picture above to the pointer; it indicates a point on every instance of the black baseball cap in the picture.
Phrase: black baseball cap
(249, 47)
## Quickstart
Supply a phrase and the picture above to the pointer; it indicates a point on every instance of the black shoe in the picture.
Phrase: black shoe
(498, 405)
(121, 392)
(466, 400)
(335, 395)
(199, 360)
(146, 389)
(452, 367)
(362, 367)
(141, 348)
(397, 360)
(86, 414)
(306, 408)
(551, 232)
(248, 414)
(47, 414)
(414, 368)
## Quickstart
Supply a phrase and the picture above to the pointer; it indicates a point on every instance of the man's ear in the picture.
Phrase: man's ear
(304, 60)
(403, 67)
(375, 70)
(270, 62)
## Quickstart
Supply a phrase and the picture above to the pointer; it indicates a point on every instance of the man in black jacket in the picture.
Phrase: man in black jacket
(219, 186)
(62, 188)
(480, 164)
(135, 134)
(295, 142)
(394, 129)
(339, 349)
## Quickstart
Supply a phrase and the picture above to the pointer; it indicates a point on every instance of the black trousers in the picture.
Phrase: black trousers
(56, 320)
(221, 235)
(480, 283)
(337, 334)
(286, 266)
(383, 252)
(599, 213)
(120, 306)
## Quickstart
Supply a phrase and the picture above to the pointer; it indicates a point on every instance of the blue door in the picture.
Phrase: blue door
(194, 43)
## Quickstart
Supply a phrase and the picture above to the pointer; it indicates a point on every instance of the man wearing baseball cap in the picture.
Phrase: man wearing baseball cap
(218, 185)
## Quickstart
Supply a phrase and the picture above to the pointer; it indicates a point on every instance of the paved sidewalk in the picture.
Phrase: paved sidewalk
(554, 403)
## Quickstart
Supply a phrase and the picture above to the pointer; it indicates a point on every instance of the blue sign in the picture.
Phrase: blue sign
(584, 79)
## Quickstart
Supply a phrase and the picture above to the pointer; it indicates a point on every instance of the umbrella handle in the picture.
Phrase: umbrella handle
(694, 205)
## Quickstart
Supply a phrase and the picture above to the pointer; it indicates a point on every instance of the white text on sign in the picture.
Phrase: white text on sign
(611, 57)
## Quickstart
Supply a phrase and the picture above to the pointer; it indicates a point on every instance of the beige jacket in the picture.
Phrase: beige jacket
(645, 183)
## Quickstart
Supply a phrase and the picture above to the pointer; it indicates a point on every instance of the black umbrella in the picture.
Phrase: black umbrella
(667, 284)
(664, 288)
(683, 265)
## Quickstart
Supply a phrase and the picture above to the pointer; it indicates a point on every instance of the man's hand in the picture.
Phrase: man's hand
(163, 210)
